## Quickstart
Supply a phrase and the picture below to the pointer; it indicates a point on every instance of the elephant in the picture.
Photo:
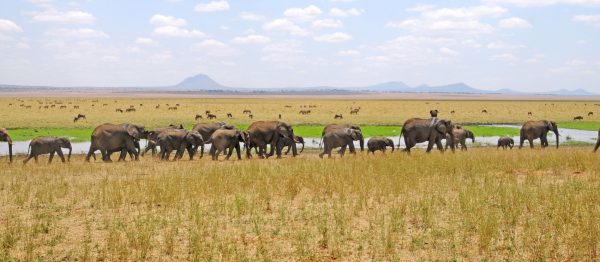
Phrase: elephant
(597, 142)
(460, 137)
(227, 140)
(109, 138)
(433, 130)
(288, 142)
(5, 137)
(207, 129)
(153, 138)
(330, 127)
(379, 143)
(538, 129)
(505, 142)
(340, 137)
(48, 145)
(263, 133)
(179, 140)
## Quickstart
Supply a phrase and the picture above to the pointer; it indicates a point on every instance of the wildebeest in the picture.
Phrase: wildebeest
(529, 113)
(484, 111)
(590, 113)
(229, 115)
(198, 117)
(211, 116)
(130, 110)
(247, 111)
(172, 108)
(78, 117)
(578, 118)
(119, 110)
(338, 116)
(354, 111)
(250, 116)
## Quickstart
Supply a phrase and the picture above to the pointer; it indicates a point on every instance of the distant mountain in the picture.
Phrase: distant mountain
(451, 88)
(566, 92)
(386, 87)
(199, 82)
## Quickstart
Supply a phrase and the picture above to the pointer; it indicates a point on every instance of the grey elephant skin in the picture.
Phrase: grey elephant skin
(460, 137)
(48, 145)
(597, 142)
(340, 137)
(286, 142)
(4, 137)
(207, 129)
(179, 140)
(109, 138)
(532, 130)
(263, 133)
(379, 143)
(226, 140)
(433, 130)
(331, 127)
(153, 138)
(505, 142)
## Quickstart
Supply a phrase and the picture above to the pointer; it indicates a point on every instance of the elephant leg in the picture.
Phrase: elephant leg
(438, 143)
(530, 142)
(521, 141)
(278, 149)
(351, 147)
(31, 156)
(51, 157)
(342, 151)
(229, 152)
(167, 155)
(288, 150)
(597, 145)
(212, 151)
(36, 159)
(463, 145)
(238, 151)
(217, 153)
(90, 153)
(61, 155)
(122, 155)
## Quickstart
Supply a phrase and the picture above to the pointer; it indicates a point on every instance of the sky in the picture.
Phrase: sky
(526, 45)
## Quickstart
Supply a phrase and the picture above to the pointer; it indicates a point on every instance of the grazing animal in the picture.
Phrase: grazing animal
(48, 145)
(130, 110)
(61, 107)
(75, 107)
(211, 116)
(251, 116)
(578, 118)
(505, 142)
(78, 117)
(207, 112)
(529, 114)
(590, 113)
(279, 116)
(172, 108)
(247, 111)
(433, 112)
(304, 112)
(229, 115)
(198, 117)
(119, 110)
(452, 112)
(338, 116)
(484, 111)
(354, 111)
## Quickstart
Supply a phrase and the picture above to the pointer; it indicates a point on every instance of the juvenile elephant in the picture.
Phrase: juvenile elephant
(109, 138)
(227, 140)
(207, 129)
(379, 143)
(538, 129)
(331, 127)
(340, 137)
(153, 138)
(263, 133)
(460, 137)
(4, 137)
(48, 145)
(505, 142)
(286, 142)
(179, 140)
(431, 130)
(597, 142)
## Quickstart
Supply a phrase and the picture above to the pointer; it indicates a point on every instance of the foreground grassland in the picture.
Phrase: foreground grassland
(484, 204)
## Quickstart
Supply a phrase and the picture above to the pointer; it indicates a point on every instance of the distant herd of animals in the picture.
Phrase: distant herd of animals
(278, 135)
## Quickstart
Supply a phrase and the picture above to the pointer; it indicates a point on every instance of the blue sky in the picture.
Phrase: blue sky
(529, 45)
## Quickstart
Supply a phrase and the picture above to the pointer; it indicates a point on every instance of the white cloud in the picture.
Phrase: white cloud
(110, 58)
(514, 22)
(144, 41)
(287, 26)
(345, 13)
(303, 14)
(588, 19)
(327, 23)
(220, 5)
(503, 46)
(69, 17)
(9, 26)
(251, 39)
(333, 38)
(173, 31)
(506, 57)
(350, 52)
(248, 16)
(214, 47)
(448, 51)
(78, 33)
(285, 54)
(164, 20)
(539, 3)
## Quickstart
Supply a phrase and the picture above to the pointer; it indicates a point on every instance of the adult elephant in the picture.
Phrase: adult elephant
(207, 129)
(4, 137)
(532, 130)
(179, 140)
(597, 142)
(286, 142)
(227, 140)
(460, 137)
(340, 137)
(331, 127)
(109, 138)
(48, 145)
(153, 138)
(505, 142)
(433, 130)
(263, 133)
(379, 143)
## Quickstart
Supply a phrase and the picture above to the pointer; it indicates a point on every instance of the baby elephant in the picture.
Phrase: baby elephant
(48, 145)
(379, 143)
(505, 142)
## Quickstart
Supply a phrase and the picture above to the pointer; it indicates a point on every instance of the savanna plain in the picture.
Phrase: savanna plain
(480, 204)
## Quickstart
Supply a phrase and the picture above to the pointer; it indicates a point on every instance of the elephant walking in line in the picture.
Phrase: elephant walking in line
(48, 145)
(263, 133)
(379, 143)
(207, 129)
(340, 137)
(331, 127)
(532, 130)
(505, 142)
(227, 140)
(179, 140)
(153, 138)
(4, 137)
(286, 142)
(460, 137)
(110, 138)
(433, 130)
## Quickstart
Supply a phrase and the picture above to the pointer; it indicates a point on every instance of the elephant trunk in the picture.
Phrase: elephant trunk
(450, 139)
(295, 149)
(302, 149)
(392, 145)
(10, 145)
(556, 134)
(362, 142)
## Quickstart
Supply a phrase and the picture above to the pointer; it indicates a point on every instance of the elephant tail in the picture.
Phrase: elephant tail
(400, 137)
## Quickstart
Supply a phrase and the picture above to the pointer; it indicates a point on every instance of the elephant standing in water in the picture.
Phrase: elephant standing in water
(505, 142)
(379, 143)
(460, 137)
(538, 129)
(179, 140)
(153, 138)
(207, 129)
(263, 133)
(109, 138)
(340, 137)
(433, 130)
(331, 127)
(4, 137)
(48, 145)
(286, 142)
(227, 140)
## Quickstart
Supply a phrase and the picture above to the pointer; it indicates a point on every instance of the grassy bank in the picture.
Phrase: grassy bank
(581, 125)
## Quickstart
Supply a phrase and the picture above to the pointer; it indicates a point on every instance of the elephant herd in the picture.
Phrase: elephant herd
(268, 138)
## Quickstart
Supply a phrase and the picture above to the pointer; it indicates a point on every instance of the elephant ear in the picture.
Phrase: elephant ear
(242, 136)
(440, 126)
(133, 131)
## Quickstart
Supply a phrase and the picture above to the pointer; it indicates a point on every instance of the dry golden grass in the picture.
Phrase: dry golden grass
(484, 204)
